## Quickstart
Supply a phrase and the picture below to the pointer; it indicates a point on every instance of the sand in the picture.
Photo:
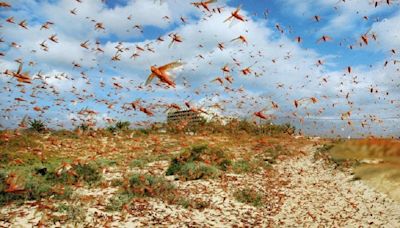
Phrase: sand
(301, 192)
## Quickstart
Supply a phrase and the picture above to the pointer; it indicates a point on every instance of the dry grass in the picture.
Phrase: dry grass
(386, 149)
(376, 161)
(126, 172)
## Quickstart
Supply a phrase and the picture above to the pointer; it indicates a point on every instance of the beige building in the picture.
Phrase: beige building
(184, 116)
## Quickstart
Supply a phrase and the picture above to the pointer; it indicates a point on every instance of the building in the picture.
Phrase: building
(185, 116)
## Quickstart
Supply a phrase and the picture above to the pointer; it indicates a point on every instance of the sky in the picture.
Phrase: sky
(346, 84)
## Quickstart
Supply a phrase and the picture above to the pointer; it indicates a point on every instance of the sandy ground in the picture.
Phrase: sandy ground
(301, 192)
(320, 195)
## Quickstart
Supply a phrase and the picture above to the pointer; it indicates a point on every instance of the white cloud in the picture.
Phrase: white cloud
(285, 70)
(388, 33)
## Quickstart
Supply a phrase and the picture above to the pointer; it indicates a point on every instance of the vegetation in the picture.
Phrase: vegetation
(47, 168)
(143, 185)
(249, 196)
(376, 161)
(322, 152)
(265, 128)
(122, 125)
(199, 162)
(197, 170)
(249, 166)
(143, 159)
(232, 127)
(71, 212)
(33, 179)
(37, 125)
(119, 126)
(151, 186)
(34, 187)
(84, 127)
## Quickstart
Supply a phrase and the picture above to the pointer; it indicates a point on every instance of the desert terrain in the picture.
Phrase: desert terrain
(139, 178)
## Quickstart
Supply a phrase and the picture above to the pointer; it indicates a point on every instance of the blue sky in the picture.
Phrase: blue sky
(282, 70)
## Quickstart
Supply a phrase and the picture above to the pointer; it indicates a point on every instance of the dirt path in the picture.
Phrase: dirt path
(319, 194)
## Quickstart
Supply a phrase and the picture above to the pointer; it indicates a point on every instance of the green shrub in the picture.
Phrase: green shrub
(79, 172)
(197, 170)
(149, 186)
(140, 163)
(73, 213)
(198, 204)
(9, 149)
(112, 129)
(144, 159)
(118, 201)
(249, 196)
(64, 134)
(84, 127)
(122, 125)
(199, 162)
(37, 125)
(41, 180)
(88, 172)
(143, 185)
(242, 166)
(35, 187)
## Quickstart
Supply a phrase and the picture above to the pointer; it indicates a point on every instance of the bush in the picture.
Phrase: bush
(88, 173)
(117, 202)
(143, 185)
(35, 187)
(37, 125)
(149, 186)
(73, 213)
(84, 127)
(198, 204)
(197, 170)
(43, 180)
(122, 125)
(146, 185)
(112, 129)
(199, 162)
(242, 166)
(249, 196)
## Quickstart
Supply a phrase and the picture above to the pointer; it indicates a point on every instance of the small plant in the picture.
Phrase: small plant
(117, 202)
(250, 166)
(144, 159)
(198, 204)
(199, 162)
(117, 182)
(73, 213)
(272, 153)
(84, 127)
(88, 172)
(198, 170)
(119, 126)
(144, 131)
(143, 185)
(112, 129)
(249, 196)
(37, 125)
(35, 187)
(36, 179)
(149, 186)
(140, 163)
(242, 166)
(326, 153)
(122, 125)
